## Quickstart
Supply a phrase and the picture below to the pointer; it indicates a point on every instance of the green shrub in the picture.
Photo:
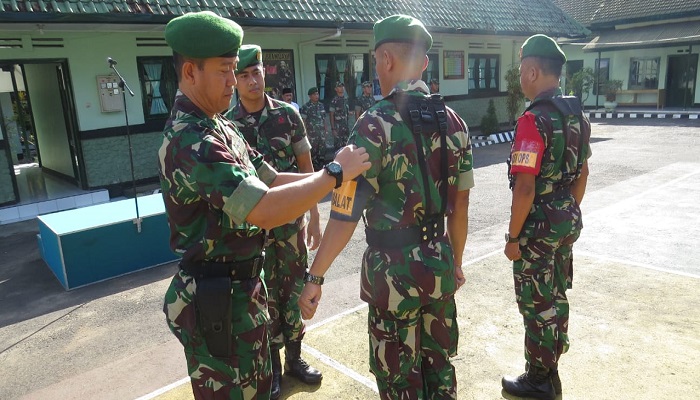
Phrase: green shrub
(489, 122)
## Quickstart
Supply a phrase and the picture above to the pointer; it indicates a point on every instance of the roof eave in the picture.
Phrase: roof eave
(656, 18)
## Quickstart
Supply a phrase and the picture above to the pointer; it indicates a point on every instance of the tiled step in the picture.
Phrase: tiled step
(28, 211)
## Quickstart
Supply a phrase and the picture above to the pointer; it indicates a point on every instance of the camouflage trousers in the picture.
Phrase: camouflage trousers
(247, 374)
(409, 351)
(286, 260)
(341, 135)
(318, 149)
(541, 278)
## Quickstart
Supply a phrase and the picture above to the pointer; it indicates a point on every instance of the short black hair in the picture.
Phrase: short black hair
(550, 66)
(179, 60)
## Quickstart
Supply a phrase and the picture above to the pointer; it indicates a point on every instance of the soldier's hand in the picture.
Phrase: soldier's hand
(308, 300)
(354, 161)
(313, 232)
(459, 276)
(512, 251)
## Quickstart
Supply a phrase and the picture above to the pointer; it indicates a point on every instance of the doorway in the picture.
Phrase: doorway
(39, 130)
(680, 80)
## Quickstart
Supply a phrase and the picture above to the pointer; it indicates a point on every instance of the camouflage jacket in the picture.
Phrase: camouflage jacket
(409, 277)
(210, 180)
(559, 155)
(363, 103)
(340, 109)
(314, 114)
(280, 137)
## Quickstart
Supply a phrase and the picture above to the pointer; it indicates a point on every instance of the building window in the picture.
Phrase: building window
(433, 69)
(351, 69)
(484, 70)
(158, 85)
(602, 74)
(644, 73)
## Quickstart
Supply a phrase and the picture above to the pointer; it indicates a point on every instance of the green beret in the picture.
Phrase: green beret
(312, 91)
(203, 35)
(402, 29)
(248, 55)
(542, 46)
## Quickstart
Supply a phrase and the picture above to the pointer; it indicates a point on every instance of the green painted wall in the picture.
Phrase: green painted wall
(107, 160)
(620, 67)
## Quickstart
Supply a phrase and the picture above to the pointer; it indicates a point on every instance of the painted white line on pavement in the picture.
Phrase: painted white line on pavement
(165, 389)
(317, 354)
(336, 317)
(341, 368)
(644, 194)
(635, 264)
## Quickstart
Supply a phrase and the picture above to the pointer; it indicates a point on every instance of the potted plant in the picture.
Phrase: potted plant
(611, 88)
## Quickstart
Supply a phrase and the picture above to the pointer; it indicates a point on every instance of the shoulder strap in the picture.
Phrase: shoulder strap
(566, 105)
(416, 111)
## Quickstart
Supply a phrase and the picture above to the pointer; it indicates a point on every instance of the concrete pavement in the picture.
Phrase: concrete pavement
(634, 315)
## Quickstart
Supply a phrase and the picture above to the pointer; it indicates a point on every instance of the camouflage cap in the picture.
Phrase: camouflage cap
(312, 91)
(435, 81)
(248, 56)
(366, 84)
(542, 46)
(339, 84)
(402, 29)
(203, 35)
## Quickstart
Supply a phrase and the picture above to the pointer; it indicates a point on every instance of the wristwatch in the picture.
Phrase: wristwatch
(335, 170)
(318, 280)
(510, 239)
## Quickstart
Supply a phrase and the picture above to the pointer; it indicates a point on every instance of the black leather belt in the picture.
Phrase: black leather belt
(555, 195)
(237, 270)
(397, 238)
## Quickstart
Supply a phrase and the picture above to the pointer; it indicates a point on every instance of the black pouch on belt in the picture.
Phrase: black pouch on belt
(213, 304)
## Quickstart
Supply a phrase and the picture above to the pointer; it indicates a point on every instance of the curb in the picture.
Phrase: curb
(658, 115)
(494, 138)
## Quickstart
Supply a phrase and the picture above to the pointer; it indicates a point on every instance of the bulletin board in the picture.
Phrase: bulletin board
(453, 62)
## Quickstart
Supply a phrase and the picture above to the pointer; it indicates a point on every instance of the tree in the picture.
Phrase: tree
(515, 97)
(581, 83)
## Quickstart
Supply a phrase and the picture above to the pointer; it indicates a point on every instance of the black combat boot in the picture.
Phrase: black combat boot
(276, 374)
(536, 383)
(554, 373)
(295, 366)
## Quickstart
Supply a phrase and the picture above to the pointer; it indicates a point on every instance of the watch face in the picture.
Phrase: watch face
(334, 168)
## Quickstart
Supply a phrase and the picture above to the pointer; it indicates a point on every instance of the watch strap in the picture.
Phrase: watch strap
(318, 280)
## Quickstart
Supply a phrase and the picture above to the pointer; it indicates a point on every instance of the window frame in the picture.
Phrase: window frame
(147, 103)
(473, 79)
(597, 78)
(634, 79)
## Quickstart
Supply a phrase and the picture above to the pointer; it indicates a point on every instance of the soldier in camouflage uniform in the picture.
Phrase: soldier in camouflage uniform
(314, 115)
(274, 128)
(412, 266)
(548, 173)
(339, 111)
(220, 196)
(364, 102)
